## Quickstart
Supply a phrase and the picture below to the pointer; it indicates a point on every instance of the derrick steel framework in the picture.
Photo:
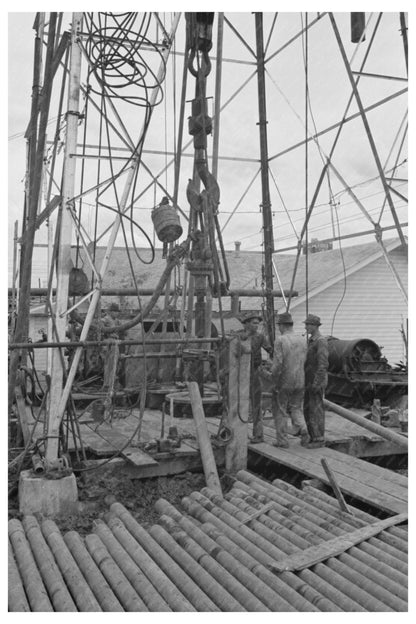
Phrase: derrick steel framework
(72, 195)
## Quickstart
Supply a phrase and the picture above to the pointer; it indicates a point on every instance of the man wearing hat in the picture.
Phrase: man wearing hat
(288, 376)
(316, 380)
(251, 322)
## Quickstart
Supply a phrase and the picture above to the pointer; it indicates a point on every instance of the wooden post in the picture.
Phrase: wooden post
(202, 434)
(239, 356)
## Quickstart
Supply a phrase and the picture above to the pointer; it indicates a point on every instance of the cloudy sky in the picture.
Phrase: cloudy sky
(305, 73)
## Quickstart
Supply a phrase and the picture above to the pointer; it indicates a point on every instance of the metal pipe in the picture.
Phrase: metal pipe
(123, 529)
(186, 586)
(309, 515)
(148, 292)
(272, 553)
(16, 597)
(374, 596)
(214, 515)
(383, 432)
(51, 575)
(258, 500)
(120, 585)
(223, 599)
(180, 533)
(93, 343)
(268, 598)
(79, 588)
(32, 581)
(336, 578)
(266, 205)
(95, 579)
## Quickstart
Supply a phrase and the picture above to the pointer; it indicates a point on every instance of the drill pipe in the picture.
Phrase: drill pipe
(297, 584)
(340, 582)
(51, 575)
(180, 533)
(120, 585)
(218, 573)
(93, 576)
(364, 552)
(294, 600)
(32, 580)
(16, 597)
(80, 590)
(398, 542)
(258, 587)
(272, 553)
(190, 590)
(397, 559)
(304, 539)
(124, 532)
(222, 598)
(362, 580)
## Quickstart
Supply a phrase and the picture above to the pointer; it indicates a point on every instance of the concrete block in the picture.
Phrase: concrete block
(50, 497)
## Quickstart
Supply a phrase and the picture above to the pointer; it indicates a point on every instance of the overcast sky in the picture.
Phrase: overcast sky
(290, 172)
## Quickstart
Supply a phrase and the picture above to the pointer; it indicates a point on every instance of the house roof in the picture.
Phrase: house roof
(245, 267)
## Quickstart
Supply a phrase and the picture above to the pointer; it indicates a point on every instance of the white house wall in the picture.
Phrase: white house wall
(373, 307)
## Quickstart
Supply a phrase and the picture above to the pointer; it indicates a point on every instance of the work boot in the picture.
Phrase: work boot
(281, 444)
(256, 440)
(304, 438)
(314, 444)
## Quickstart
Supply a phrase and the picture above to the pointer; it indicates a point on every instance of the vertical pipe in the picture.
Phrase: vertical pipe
(266, 205)
(217, 101)
(64, 251)
(403, 29)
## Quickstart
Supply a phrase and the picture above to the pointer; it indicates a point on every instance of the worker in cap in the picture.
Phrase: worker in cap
(110, 351)
(288, 379)
(316, 380)
(259, 341)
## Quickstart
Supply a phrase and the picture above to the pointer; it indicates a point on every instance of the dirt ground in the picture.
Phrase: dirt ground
(97, 490)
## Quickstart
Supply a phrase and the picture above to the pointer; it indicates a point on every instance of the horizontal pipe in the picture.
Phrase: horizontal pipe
(313, 517)
(293, 582)
(51, 575)
(148, 292)
(162, 559)
(95, 579)
(223, 599)
(388, 590)
(123, 529)
(16, 597)
(78, 586)
(120, 585)
(383, 432)
(180, 532)
(94, 343)
(32, 581)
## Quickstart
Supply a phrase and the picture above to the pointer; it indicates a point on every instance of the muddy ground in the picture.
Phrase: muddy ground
(98, 489)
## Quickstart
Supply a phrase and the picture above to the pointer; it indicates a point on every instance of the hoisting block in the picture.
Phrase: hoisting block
(50, 497)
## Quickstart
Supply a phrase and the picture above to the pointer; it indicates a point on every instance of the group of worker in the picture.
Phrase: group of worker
(298, 375)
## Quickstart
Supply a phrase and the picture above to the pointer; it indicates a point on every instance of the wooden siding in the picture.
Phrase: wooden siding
(373, 307)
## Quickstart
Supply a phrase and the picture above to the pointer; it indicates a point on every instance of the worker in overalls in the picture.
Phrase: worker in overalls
(288, 378)
(111, 351)
(259, 341)
(316, 380)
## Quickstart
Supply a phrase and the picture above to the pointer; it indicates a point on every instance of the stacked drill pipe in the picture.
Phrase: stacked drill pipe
(228, 520)
(313, 515)
(16, 597)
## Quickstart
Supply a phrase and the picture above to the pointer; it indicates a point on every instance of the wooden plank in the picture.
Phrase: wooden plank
(138, 457)
(335, 487)
(303, 461)
(334, 547)
(258, 513)
(111, 442)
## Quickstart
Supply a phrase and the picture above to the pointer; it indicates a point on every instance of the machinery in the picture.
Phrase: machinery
(358, 373)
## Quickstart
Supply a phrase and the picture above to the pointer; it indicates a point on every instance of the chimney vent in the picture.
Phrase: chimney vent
(237, 247)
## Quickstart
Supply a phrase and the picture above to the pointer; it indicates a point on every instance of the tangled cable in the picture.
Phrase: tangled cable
(114, 48)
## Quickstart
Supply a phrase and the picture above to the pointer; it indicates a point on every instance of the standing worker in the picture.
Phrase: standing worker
(259, 341)
(288, 377)
(316, 380)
